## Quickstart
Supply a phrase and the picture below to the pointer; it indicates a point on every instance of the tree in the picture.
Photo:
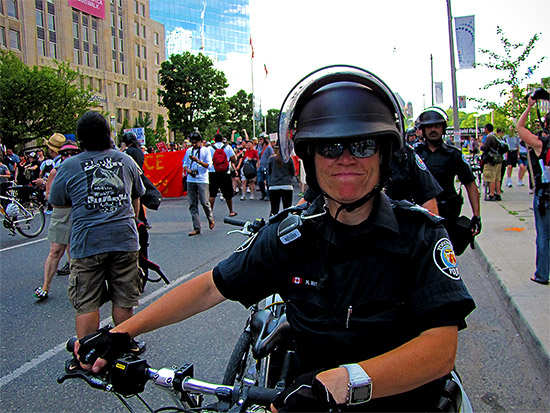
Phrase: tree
(272, 120)
(240, 112)
(513, 77)
(193, 89)
(160, 130)
(36, 102)
(145, 123)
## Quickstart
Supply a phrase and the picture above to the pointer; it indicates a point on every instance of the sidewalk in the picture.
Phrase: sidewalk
(507, 246)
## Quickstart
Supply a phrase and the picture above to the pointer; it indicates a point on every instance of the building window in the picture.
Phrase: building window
(125, 88)
(138, 72)
(15, 40)
(120, 22)
(3, 37)
(99, 86)
(144, 73)
(142, 9)
(95, 36)
(117, 89)
(137, 50)
(76, 31)
(127, 114)
(157, 58)
(53, 50)
(41, 47)
(85, 34)
(12, 9)
(51, 22)
(121, 45)
(119, 115)
(39, 18)
(146, 93)
(76, 56)
(137, 7)
(113, 20)
(96, 61)
(91, 83)
(156, 38)
(87, 59)
(143, 52)
(143, 31)
(137, 29)
(122, 68)
(115, 66)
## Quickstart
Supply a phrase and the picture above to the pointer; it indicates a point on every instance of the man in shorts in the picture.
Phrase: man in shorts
(221, 180)
(59, 231)
(103, 187)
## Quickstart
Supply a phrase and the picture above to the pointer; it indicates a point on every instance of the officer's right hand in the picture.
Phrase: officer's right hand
(306, 394)
(101, 347)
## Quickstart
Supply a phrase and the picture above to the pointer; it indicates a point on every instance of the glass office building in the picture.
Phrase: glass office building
(212, 27)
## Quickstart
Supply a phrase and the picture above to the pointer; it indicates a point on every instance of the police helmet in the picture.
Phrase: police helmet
(195, 136)
(336, 104)
(431, 116)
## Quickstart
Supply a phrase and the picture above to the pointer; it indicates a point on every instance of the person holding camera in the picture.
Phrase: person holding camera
(196, 162)
(540, 162)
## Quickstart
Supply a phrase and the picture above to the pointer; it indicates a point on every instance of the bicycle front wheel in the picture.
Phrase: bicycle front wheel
(30, 220)
(239, 360)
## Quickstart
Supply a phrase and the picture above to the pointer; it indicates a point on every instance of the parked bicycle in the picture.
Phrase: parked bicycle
(21, 211)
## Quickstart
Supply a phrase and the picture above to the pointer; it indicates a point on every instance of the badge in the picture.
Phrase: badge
(420, 162)
(445, 258)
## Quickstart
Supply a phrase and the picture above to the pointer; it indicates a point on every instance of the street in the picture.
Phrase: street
(495, 364)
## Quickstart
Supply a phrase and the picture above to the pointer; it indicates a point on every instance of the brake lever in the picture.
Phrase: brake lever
(92, 380)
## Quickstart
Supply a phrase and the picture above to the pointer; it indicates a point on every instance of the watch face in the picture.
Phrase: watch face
(360, 394)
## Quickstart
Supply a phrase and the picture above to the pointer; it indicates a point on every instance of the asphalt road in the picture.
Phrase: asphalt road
(496, 366)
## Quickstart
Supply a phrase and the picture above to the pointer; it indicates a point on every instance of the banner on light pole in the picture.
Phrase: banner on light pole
(438, 93)
(465, 41)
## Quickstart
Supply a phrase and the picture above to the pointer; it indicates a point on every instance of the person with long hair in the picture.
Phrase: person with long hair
(280, 175)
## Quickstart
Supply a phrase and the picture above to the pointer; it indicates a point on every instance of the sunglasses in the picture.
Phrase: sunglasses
(361, 149)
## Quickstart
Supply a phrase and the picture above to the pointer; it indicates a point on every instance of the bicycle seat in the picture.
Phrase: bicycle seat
(267, 331)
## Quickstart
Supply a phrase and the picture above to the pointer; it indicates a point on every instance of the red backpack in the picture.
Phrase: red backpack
(219, 160)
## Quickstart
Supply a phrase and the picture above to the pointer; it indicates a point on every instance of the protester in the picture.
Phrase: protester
(540, 162)
(492, 164)
(281, 175)
(219, 173)
(196, 162)
(102, 186)
(59, 231)
(264, 153)
(374, 297)
(248, 167)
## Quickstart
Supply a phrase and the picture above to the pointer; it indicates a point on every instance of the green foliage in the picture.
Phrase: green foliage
(125, 125)
(36, 102)
(272, 120)
(192, 91)
(240, 111)
(511, 76)
(145, 123)
(160, 130)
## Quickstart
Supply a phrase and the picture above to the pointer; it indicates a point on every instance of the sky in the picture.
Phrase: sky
(391, 38)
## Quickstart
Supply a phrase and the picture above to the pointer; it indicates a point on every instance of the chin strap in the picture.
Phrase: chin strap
(356, 204)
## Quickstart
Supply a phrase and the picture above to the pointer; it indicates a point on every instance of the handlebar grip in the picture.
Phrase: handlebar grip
(70, 344)
(262, 395)
(234, 221)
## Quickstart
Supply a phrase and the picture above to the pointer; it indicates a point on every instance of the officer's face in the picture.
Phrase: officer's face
(347, 178)
(433, 132)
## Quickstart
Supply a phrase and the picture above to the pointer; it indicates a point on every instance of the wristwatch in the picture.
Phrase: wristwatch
(359, 385)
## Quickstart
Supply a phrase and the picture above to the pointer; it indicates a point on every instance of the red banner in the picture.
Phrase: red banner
(165, 170)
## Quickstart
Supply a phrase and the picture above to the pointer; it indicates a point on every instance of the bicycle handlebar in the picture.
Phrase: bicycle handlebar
(128, 375)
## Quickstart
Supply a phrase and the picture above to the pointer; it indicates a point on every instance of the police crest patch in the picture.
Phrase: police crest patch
(445, 258)
(420, 163)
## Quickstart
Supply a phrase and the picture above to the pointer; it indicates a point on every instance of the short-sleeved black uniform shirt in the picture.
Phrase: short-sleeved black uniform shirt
(410, 178)
(353, 293)
(445, 163)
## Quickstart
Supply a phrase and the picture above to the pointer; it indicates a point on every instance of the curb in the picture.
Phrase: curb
(538, 351)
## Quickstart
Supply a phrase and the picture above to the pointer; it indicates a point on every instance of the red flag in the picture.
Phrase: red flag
(252, 47)
(265, 68)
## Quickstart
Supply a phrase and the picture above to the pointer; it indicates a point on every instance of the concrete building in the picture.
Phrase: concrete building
(114, 44)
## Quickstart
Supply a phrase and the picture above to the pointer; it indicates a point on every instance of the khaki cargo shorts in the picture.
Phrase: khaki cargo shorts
(110, 276)
(491, 173)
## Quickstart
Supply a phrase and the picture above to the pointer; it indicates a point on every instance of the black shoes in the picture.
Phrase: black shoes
(64, 270)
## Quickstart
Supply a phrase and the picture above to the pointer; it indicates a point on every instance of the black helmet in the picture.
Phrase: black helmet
(340, 103)
(410, 131)
(129, 138)
(432, 116)
(195, 136)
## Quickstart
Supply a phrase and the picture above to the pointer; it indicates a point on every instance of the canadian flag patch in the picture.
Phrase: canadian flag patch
(296, 280)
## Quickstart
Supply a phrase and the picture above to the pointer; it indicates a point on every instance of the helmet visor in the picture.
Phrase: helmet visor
(316, 80)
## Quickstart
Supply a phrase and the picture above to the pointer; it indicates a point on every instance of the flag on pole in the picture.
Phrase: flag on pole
(252, 47)
(465, 41)
(265, 68)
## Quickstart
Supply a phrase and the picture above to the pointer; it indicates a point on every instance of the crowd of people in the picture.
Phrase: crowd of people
(373, 291)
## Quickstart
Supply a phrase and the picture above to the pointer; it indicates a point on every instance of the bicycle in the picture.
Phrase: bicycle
(24, 215)
(127, 376)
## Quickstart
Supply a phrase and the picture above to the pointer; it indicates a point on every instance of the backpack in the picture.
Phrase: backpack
(249, 169)
(219, 160)
(502, 147)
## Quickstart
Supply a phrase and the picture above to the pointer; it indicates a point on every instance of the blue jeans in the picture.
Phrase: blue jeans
(542, 226)
(263, 181)
(199, 192)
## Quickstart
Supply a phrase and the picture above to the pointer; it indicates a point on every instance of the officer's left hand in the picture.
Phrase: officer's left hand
(306, 394)
(475, 225)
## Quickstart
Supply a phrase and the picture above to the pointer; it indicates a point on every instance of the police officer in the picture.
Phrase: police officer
(374, 297)
(446, 163)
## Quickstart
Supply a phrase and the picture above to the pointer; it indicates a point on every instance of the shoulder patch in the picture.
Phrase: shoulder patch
(419, 162)
(409, 206)
(445, 259)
